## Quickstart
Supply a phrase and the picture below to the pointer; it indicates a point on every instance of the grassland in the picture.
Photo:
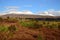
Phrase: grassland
(26, 29)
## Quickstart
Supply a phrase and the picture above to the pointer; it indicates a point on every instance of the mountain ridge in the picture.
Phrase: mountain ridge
(28, 16)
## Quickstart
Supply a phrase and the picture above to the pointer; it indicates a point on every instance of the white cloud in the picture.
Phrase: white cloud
(50, 12)
(11, 7)
(57, 13)
(13, 10)
(46, 14)
(20, 12)
(17, 12)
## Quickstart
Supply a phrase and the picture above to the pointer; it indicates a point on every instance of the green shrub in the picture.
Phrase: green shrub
(1, 18)
(59, 26)
(49, 26)
(39, 37)
(12, 28)
(29, 24)
(26, 24)
(52, 25)
(3, 28)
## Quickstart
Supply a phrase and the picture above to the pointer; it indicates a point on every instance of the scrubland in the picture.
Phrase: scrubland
(28, 29)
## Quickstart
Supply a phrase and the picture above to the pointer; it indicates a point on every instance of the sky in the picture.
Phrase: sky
(31, 5)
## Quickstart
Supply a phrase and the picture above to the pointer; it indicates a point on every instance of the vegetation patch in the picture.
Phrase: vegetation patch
(30, 24)
(3, 28)
(12, 28)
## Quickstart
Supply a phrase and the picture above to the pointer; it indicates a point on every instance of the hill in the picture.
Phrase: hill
(31, 16)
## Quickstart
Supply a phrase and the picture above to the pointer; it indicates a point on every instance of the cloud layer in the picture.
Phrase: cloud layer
(13, 10)
(50, 13)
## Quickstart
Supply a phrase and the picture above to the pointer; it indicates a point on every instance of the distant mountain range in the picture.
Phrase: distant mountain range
(28, 16)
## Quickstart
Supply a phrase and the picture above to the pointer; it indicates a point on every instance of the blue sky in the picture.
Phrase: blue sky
(32, 5)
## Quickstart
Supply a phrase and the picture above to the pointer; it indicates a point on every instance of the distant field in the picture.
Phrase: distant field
(29, 29)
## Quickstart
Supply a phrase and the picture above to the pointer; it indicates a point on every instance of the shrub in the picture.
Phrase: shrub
(29, 24)
(1, 19)
(52, 25)
(49, 26)
(3, 28)
(26, 24)
(12, 28)
(36, 25)
(39, 37)
(59, 26)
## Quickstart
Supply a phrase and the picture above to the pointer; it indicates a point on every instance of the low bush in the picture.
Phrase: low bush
(39, 37)
(59, 26)
(3, 28)
(26, 24)
(12, 28)
(29, 24)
